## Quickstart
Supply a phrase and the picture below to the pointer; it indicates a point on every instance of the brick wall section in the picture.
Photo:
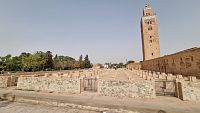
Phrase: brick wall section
(186, 62)
(50, 84)
(131, 89)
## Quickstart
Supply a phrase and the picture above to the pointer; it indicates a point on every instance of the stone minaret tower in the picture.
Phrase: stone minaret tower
(149, 33)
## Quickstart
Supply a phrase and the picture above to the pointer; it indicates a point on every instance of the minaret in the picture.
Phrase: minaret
(149, 33)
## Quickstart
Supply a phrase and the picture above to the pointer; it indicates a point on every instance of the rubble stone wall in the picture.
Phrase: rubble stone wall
(190, 92)
(131, 89)
(50, 84)
(4, 81)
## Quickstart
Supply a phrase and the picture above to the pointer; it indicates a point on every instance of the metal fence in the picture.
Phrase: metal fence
(90, 84)
(165, 88)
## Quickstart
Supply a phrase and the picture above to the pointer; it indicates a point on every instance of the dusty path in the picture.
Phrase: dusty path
(168, 104)
(16, 107)
(119, 74)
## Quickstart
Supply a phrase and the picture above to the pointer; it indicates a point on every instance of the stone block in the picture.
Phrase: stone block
(5, 81)
(158, 73)
(55, 74)
(164, 74)
(129, 78)
(150, 74)
(152, 79)
(192, 78)
(179, 76)
(169, 78)
(155, 76)
(148, 78)
(160, 76)
(47, 74)
(144, 76)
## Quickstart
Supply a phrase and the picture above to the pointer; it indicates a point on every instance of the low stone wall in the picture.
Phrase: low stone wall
(131, 89)
(50, 84)
(190, 92)
(4, 81)
(133, 66)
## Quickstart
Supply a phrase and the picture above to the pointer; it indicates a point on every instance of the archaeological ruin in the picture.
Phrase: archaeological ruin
(179, 71)
(176, 75)
(136, 83)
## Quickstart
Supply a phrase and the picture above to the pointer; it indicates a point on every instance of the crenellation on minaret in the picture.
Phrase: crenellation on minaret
(148, 11)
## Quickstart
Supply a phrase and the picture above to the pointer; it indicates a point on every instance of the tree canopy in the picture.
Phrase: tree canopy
(131, 61)
(41, 61)
(84, 63)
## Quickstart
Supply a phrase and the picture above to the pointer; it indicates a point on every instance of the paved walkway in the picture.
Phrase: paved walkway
(16, 107)
(168, 104)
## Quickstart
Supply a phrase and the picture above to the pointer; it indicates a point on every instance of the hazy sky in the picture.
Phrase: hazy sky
(107, 30)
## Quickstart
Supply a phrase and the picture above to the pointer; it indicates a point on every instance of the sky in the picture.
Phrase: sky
(106, 30)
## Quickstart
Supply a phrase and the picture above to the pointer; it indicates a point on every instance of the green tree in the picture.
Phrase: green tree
(1, 64)
(49, 64)
(25, 61)
(65, 63)
(7, 62)
(15, 64)
(37, 61)
(130, 61)
(80, 58)
(120, 65)
(56, 61)
(87, 63)
(81, 62)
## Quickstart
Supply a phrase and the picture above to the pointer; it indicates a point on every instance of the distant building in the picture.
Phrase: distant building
(133, 66)
(97, 66)
(106, 65)
(149, 33)
(186, 62)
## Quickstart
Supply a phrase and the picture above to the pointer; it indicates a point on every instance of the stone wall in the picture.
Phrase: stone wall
(4, 81)
(133, 66)
(49, 84)
(131, 89)
(186, 62)
(189, 92)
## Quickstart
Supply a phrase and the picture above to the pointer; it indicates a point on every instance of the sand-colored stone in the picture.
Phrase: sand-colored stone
(5, 81)
(192, 78)
(186, 62)
(131, 89)
(150, 36)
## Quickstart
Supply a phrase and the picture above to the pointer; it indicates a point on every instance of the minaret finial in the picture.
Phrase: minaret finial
(147, 4)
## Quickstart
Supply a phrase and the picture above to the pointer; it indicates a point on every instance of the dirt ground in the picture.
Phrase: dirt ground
(167, 104)
(16, 107)
(119, 74)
